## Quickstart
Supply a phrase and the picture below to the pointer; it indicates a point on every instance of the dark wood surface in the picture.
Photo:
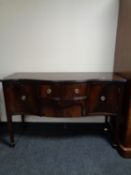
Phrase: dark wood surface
(66, 76)
(76, 95)
(123, 67)
(57, 97)
(123, 40)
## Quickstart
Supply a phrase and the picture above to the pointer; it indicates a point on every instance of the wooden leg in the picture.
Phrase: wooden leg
(23, 118)
(10, 130)
(106, 128)
(23, 121)
(114, 124)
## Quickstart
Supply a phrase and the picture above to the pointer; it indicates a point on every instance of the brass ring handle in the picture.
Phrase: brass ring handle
(103, 98)
(77, 91)
(49, 91)
(23, 97)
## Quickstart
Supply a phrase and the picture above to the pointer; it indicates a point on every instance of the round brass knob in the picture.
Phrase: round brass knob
(23, 97)
(103, 98)
(49, 91)
(77, 91)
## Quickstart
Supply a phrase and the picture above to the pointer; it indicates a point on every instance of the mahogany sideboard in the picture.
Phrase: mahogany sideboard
(67, 95)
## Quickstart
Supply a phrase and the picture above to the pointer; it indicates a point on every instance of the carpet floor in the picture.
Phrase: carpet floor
(60, 149)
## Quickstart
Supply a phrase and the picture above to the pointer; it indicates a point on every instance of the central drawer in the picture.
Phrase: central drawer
(63, 100)
(74, 91)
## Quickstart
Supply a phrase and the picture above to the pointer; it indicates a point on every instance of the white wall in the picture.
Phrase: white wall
(57, 35)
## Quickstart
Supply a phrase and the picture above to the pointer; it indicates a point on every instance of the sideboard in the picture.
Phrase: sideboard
(67, 95)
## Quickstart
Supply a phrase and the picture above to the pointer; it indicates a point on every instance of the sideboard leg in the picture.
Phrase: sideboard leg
(23, 118)
(116, 133)
(23, 121)
(106, 127)
(111, 124)
(114, 129)
(10, 130)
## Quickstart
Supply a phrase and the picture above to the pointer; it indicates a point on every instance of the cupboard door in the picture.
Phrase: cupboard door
(20, 97)
(104, 98)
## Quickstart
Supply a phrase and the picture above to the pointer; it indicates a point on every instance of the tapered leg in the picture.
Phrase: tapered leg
(23, 122)
(114, 124)
(10, 130)
(23, 118)
(106, 127)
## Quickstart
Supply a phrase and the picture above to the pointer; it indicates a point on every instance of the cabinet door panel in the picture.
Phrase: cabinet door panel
(20, 98)
(104, 98)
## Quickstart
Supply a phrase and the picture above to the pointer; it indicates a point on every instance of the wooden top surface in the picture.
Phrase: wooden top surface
(65, 76)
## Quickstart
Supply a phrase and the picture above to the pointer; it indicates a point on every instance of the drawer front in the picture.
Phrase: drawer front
(63, 108)
(104, 98)
(47, 91)
(63, 100)
(20, 98)
(74, 91)
(63, 92)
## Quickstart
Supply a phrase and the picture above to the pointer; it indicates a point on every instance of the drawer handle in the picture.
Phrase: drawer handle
(77, 91)
(103, 98)
(23, 97)
(49, 91)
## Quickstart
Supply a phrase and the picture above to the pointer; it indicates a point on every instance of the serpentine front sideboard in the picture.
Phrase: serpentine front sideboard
(67, 95)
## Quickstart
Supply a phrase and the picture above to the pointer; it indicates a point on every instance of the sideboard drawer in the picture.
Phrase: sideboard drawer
(48, 91)
(75, 91)
(63, 99)
(63, 109)
(63, 91)
(104, 98)
(20, 97)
